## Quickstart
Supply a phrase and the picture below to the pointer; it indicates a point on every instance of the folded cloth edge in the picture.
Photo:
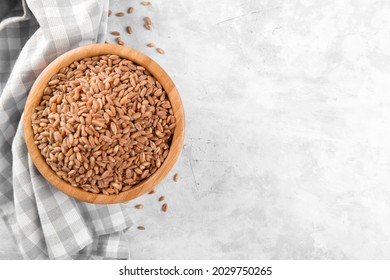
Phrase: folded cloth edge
(26, 16)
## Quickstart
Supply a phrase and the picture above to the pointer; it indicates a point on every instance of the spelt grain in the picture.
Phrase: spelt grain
(120, 42)
(160, 50)
(164, 207)
(103, 124)
(148, 21)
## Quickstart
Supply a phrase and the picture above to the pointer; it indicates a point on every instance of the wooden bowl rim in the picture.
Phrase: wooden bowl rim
(66, 59)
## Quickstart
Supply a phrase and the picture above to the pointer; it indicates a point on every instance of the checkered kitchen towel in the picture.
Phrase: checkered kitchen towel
(45, 222)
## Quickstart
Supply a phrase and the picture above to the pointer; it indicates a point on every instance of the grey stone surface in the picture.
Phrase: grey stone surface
(287, 142)
(287, 152)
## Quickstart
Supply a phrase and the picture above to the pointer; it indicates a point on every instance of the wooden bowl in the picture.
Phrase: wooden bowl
(66, 59)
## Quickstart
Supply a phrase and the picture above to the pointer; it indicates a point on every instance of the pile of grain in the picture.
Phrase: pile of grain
(104, 124)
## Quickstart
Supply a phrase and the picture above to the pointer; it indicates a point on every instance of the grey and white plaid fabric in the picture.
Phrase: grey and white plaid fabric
(45, 222)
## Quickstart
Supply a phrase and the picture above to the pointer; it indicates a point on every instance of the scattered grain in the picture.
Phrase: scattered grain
(152, 192)
(176, 177)
(121, 14)
(164, 207)
(120, 41)
(139, 206)
(147, 26)
(109, 13)
(148, 21)
(141, 227)
(129, 30)
(160, 50)
(151, 45)
(130, 10)
(115, 33)
(146, 3)
(161, 198)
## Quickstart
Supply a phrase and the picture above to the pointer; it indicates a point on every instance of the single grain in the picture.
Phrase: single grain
(160, 50)
(164, 207)
(148, 21)
(120, 41)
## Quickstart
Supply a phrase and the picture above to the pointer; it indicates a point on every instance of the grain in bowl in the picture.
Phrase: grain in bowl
(104, 124)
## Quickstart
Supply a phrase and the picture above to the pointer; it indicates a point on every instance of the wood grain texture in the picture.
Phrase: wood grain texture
(66, 59)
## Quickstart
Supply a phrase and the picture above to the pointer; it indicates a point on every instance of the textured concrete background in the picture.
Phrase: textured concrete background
(287, 150)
